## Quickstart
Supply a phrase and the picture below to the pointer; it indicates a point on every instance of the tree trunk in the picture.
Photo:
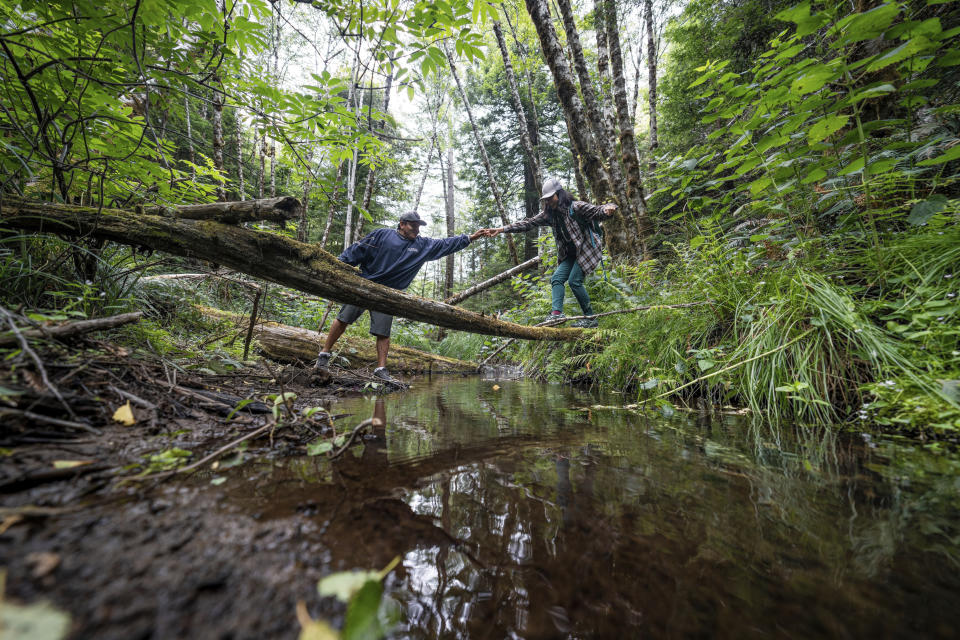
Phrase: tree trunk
(242, 195)
(261, 142)
(603, 72)
(371, 173)
(595, 117)
(494, 187)
(577, 124)
(426, 171)
(331, 206)
(651, 76)
(263, 255)
(628, 145)
(448, 281)
(218, 137)
(303, 222)
(525, 140)
(192, 155)
(351, 190)
(534, 119)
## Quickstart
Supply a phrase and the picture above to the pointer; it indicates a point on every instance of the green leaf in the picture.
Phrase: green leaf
(923, 211)
(853, 167)
(897, 54)
(362, 621)
(705, 364)
(952, 154)
(240, 405)
(815, 175)
(696, 241)
(345, 584)
(870, 24)
(872, 92)
(826, 127)
(319, 447)
(814, 79)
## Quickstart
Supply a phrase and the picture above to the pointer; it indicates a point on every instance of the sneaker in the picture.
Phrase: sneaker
(381, 373)
(552, 317)
(586, 323)
(323, 360)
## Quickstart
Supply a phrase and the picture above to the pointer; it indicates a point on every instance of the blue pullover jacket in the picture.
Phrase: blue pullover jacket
(387, 258)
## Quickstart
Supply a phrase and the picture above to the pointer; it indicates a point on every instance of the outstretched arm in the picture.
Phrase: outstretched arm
(539, 220)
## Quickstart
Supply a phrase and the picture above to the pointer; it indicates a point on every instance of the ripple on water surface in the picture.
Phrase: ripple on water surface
(538, 511)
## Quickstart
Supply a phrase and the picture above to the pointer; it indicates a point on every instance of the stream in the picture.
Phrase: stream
(540, 511)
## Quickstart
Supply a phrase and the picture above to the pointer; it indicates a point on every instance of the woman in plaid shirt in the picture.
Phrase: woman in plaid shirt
(579, 248)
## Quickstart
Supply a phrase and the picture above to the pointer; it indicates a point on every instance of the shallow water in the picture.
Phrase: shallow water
(539, 511)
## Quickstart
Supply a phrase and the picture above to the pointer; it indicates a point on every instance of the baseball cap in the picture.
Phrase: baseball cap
(412, 217)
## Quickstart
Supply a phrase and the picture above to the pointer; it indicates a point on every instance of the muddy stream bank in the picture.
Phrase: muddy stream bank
(517, 509)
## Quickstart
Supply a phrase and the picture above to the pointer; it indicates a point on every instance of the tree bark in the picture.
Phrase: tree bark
(426, 171)
(494, 187)
(603, 72)
(577, 124)
(242, 195)
(218, 137)
(448, 280)
(490, 282)
(651, 76)
(525, 140)
(192, 154)
(273, 209)
(628, 144)
(263, 255)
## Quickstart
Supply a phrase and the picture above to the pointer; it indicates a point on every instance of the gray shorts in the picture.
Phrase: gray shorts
(380, 323)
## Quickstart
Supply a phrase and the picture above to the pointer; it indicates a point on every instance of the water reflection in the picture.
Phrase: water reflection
(531, 511)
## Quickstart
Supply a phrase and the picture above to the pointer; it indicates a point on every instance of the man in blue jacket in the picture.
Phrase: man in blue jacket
(391, 257)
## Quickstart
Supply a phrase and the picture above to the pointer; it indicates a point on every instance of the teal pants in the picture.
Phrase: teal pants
(570, 271)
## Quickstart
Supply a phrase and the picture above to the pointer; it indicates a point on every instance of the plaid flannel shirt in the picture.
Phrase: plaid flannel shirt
(588, 246)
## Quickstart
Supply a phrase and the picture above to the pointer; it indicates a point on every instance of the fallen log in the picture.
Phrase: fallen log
(262, 255)
(284, 343)
(271, 209)
(74, 328)
(497, 279)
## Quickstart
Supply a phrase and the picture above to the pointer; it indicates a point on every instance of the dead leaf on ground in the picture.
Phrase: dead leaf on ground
(9, 522)
(124, 415)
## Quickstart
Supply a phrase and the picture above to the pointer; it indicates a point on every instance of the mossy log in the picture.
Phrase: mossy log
(284, 343)
(263, 255)
(277, 210)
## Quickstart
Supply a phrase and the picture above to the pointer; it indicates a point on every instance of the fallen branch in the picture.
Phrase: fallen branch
(497, 279)
(36, 417)
(74, 328)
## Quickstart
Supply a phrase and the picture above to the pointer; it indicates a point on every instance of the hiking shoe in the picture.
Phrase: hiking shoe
(586, 323)
(323, 360)
(553, 317)
(381, 373)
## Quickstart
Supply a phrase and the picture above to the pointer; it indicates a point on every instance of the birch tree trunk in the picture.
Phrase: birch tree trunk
(371, 174)
(494, 187)
(303, 223)
(651, 76)
(192, 155)
(448, 282)
(518, 107)
(239, 139)
(218, 136)
(331, 206)
(351, 188)
(426, 171)
(603, 72)
(260, 143)
(628, 144)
